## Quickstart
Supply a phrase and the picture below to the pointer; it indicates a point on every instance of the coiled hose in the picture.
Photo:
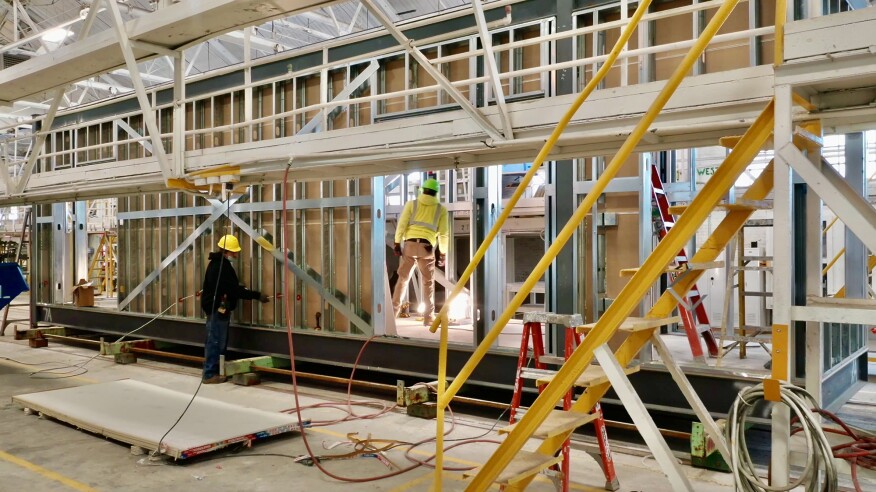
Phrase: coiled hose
(820, 473)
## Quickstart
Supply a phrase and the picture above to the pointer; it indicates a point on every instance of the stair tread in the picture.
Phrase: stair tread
(552, 359)
(804, 139)
(524, 465)
(628, 272)
(634, 324)
(740, 205)
(558, 422)
(592, 376)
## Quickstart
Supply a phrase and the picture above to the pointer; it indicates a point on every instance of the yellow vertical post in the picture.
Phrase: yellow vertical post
(542, 156)
(442, 386)
(781, 15)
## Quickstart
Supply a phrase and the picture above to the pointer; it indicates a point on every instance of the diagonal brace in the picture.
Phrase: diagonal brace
(439, 77)
(853, 209)
(218, 211)
(126, 46)
(307, 279)
(315, 122)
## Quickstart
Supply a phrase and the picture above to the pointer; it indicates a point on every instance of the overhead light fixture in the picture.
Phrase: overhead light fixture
(56, 35)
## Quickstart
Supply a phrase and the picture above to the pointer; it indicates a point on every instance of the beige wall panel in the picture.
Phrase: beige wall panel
(289, 105)
(423, 79)
(458, 69)
(311, 96)
(767, 14)
(729, 55)
(364, 260)
(503, 57)
(266, 109)
(221, 117)
(613, 79)
(394, 70)
(339, 82)
(341, 258)
(531, 59)
(670, 30)
(621, 252)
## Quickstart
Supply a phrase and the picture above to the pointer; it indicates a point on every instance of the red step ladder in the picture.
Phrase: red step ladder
(532, 323)
(694, 301)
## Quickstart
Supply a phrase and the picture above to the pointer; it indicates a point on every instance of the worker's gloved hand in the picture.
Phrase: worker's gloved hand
(441, 259)
(397, 249)
(264, 298)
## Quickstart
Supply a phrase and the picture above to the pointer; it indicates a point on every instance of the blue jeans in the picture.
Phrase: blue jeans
(217, 342)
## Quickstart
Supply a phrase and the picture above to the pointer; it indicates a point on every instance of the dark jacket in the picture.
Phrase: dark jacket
(228, 288)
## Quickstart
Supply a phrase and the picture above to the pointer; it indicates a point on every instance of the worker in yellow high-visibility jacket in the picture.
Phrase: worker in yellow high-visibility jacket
(422, 227)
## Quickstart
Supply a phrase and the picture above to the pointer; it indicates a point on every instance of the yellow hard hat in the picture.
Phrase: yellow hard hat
(229, 243)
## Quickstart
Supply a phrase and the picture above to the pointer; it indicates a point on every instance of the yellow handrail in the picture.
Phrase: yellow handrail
(442, 386)
(514, 442)
(542, 155)
(833, 261)
(598, 188)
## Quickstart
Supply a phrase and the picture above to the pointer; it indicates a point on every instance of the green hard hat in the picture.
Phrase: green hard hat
(431, 184)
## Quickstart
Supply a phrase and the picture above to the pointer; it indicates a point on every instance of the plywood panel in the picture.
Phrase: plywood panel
(394, 77)
(670, 30)
(420, 78)
(458, 69)
(767, 15)
(622, 251)
(266, 108)
(338, 83)
(314, 252)
(613, 79)
(531, 58)
(503, 58)
(729, 55)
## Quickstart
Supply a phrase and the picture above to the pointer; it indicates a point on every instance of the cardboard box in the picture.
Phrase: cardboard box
(83, 294)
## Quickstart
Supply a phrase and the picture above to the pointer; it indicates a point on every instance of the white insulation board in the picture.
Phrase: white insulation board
(139, 414)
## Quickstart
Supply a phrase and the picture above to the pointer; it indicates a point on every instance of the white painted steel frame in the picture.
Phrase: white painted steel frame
(492, 69)
(126, 45)
(783, 278)
(436, 74)
(621, 385)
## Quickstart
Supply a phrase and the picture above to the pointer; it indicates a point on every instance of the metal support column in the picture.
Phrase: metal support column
(61, 282)
(783, 286)
(486, 204)
(646, 235)
(80, 241)
(379, 306)
(856, 252)
(178, 142)
(560, 284)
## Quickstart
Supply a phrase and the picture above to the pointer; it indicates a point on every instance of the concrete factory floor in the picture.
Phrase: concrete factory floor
(37, 454)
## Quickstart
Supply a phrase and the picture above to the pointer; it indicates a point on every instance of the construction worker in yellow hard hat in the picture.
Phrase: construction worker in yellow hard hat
(219, 297)
(422, 227)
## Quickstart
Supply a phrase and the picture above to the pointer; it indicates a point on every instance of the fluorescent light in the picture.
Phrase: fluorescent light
(56, 35)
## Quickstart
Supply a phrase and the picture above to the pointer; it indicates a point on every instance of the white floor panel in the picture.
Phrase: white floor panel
(139, 414)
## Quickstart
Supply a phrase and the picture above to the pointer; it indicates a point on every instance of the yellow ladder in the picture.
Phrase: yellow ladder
(871, 264)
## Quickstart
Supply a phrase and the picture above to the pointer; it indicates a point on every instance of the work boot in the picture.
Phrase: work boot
(215, 380)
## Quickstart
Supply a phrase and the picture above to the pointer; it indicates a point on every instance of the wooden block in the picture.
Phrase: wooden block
(246, 379)
(38, 342)
(428, 410)
(125, 358)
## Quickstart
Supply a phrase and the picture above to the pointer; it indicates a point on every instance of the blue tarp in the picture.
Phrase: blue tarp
(12, 283)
